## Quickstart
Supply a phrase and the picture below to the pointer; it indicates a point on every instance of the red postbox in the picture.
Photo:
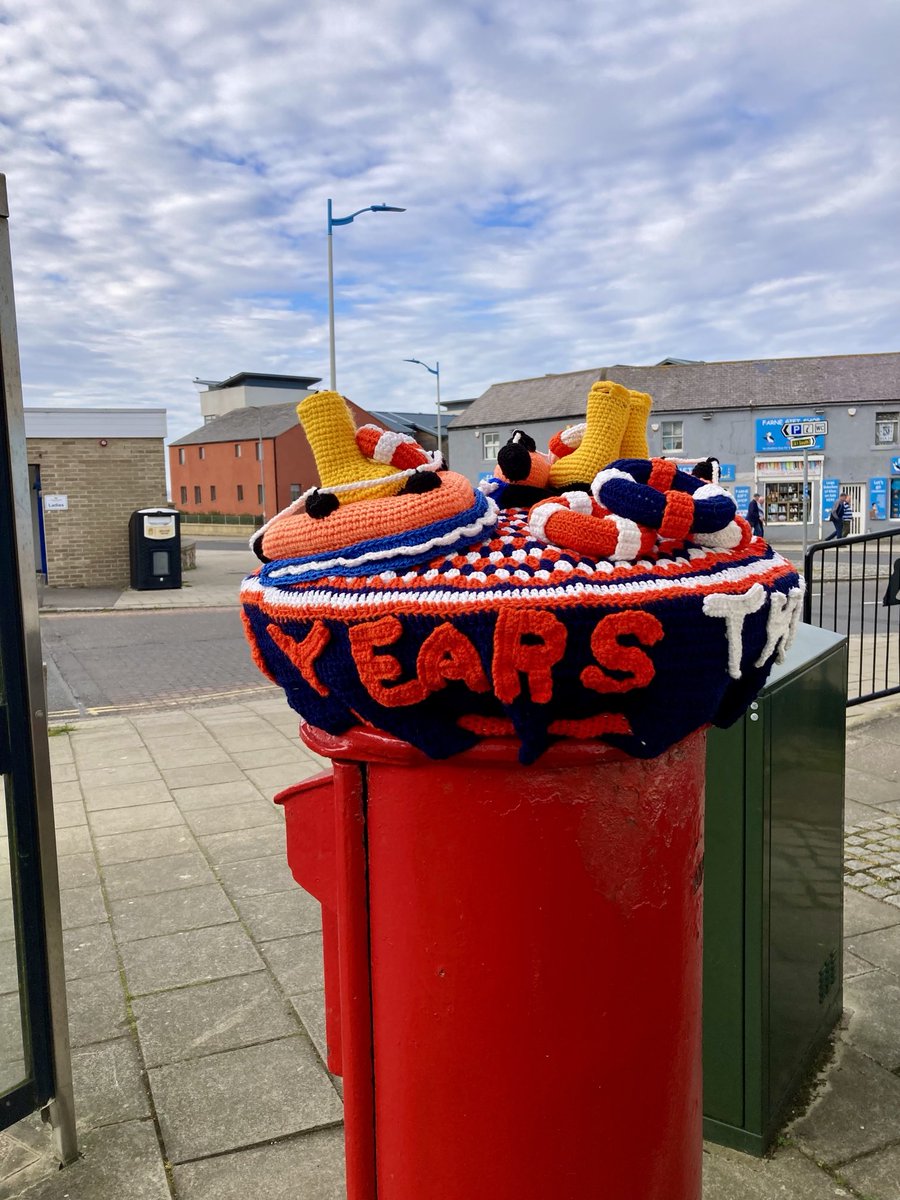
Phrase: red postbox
(513, 966)
(516, 680)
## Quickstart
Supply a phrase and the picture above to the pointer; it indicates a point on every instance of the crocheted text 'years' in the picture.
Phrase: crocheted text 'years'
(526, 646)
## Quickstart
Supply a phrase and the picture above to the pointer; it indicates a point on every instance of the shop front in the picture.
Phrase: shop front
(780, 483)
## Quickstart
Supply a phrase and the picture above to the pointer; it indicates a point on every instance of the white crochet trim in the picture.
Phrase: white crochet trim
(324, 600)
(579, 502)
(784, 617)
(628, 543)
(540, 515)
(604, 477)
(323, 566)
(733, 608)
(708, 491)
(721, 539)
(388, 444)
(573, 436)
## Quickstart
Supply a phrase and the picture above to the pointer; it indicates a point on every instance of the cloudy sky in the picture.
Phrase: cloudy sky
(586, 183)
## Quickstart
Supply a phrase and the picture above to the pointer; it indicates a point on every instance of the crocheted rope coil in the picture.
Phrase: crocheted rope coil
(636, 501)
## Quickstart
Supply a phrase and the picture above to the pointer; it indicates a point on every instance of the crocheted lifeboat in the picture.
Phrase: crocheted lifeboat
(592, 592)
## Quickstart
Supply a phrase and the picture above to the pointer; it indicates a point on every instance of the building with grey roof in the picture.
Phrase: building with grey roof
(250, 389)
(253, 461)
(737, 411)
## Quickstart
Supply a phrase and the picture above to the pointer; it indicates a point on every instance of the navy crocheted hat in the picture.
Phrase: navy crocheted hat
(635, 613)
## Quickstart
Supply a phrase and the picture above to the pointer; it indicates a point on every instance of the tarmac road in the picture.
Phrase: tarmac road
(102, 662)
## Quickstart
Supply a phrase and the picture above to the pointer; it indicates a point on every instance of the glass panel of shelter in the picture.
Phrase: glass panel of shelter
(12, 1034)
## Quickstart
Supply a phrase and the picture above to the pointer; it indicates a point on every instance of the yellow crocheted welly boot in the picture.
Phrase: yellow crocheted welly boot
(608, 408)
(328, 425)
(634, 439)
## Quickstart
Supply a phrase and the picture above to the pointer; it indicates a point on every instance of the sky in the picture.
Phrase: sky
(586, 183)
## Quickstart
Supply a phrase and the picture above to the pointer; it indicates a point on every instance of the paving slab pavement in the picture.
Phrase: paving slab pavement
(195, 978)
(214, 583)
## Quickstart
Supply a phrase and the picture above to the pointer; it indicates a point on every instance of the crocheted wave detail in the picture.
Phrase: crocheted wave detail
(397, 552)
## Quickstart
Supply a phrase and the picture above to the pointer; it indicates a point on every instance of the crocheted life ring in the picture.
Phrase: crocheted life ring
(635, 502)
(577, 522)
(655, 493)
(567, 440)
(397, 450)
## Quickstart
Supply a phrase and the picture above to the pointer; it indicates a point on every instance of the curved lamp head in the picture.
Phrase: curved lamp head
(435, 370)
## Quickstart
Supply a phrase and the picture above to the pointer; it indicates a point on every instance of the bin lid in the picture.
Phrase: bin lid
(157, 512)
(810, 643)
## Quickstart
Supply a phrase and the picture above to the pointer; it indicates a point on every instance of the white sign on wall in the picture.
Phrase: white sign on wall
(56, 503)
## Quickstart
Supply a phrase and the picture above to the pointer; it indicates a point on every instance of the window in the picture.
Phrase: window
(490, 443)
(198, 499)
(295, 492)
(259, 451)
(181, 458)
(259, 493)
(201, 450)
(184, 495)
(672, 437)
(240, 488)
(886, 424)
(212, 491)
(237, 449)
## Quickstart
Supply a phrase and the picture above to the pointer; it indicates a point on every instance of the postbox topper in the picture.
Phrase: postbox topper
(590, 592)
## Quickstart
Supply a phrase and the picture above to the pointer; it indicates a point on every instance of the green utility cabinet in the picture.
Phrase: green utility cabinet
(772, 961)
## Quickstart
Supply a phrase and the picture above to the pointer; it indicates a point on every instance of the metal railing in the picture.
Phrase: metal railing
(853, 588)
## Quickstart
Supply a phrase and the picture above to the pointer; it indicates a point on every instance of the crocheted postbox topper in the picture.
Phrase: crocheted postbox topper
(582, 593)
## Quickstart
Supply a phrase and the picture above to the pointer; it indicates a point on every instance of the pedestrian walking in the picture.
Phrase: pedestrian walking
(841, 515)
(756, 515)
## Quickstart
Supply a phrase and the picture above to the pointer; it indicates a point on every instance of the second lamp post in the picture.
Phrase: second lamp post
(332, 221)
(436, 372)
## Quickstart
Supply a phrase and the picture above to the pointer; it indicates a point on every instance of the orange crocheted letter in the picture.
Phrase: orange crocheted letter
(304, 654)
(448, 654)
(635, 668)
(377, 669)
(529, 642)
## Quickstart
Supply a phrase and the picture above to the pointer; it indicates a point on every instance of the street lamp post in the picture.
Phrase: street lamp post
(436, 372)
(332, 221)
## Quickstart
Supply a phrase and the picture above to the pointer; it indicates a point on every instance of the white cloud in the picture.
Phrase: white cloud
(584, 184)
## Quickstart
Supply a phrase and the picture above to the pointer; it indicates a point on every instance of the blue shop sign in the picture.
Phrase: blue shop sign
(726, 470)
(830, 491)
(895, 466)
(742, 498)
(773, 434)
(878, 499)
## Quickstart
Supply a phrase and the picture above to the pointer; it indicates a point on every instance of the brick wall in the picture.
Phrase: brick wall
(87, 544)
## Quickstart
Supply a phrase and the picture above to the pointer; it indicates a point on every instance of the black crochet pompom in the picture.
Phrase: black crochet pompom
(256, 547)
(704, 470)
(521, 495)
(514, 461)
(321, 504)
(422, 481)
(578, 486)
(521, 438)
